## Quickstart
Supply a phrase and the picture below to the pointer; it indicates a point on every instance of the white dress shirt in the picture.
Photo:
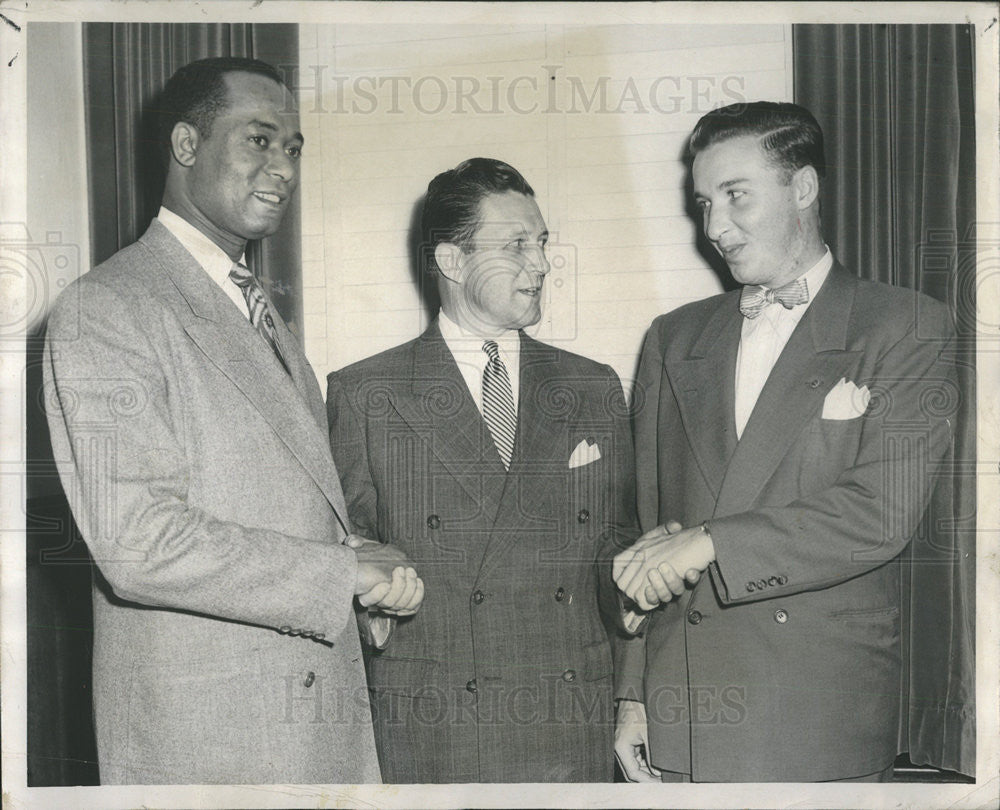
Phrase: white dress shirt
(763, 339)
(210, 256)
(467, 349)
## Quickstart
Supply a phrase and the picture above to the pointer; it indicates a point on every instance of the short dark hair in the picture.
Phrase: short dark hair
(451, 207)
(196, 93)
(789, 134)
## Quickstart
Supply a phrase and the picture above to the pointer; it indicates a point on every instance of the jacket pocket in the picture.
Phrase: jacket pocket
(866, 614)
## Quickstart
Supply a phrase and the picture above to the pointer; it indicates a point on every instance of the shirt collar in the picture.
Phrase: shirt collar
(466, 343)
(209, 255)
(816, 275)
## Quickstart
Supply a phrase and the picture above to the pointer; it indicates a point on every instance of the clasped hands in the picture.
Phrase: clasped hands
(387, 579)
(661, 563)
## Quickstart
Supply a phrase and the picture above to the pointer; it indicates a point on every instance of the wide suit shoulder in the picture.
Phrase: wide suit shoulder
(197, 468)
(514, 563)
(791, 643)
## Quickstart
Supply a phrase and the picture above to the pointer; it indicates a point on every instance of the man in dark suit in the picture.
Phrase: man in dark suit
(503, 468)
(191, 439)
(788, 450)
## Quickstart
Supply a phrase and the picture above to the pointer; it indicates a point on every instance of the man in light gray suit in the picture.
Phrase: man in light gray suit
(190, 433)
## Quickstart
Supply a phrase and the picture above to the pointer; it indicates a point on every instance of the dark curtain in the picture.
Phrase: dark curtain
(896, 104)
(125, 66)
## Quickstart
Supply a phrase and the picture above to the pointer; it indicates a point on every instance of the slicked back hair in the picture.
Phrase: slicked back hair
(789, 134)
(451, 207)
(197, 93)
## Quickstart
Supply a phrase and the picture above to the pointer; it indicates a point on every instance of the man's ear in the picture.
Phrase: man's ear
(806, 184)
(184, 143)
(446, 256)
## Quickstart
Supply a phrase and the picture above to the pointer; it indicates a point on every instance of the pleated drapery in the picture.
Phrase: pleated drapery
(896, 104)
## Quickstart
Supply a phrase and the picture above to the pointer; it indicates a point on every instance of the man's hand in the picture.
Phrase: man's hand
(386, 578)
(648, 572)
(631, 742)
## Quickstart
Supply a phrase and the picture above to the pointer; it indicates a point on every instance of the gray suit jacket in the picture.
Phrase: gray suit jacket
(504, 674)
(225, 647)
(784, 663)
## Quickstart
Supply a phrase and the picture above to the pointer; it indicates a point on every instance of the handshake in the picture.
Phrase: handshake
(661, 563)
(387, 579)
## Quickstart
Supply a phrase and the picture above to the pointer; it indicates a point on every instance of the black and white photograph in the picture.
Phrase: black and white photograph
(500, 404)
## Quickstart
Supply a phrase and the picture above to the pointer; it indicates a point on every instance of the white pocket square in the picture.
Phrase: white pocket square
(846, 401)
(584, 454)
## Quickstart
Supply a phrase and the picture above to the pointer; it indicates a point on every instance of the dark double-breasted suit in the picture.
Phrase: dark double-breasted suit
(225, 643)
(783, 663)
(504, 674)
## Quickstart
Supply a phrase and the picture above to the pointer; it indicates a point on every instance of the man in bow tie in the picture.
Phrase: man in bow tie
(503, 468)
(786, 440)
(191, 437)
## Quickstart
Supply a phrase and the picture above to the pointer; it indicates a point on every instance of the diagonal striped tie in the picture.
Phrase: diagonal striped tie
(260, 318)
(498, 403)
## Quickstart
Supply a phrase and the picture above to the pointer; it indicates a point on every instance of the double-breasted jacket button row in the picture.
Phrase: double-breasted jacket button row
(287, 630)
(478, 597)
(761, 584)
(695, 617)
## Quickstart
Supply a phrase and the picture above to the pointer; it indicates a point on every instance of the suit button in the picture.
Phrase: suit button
(583, 516)
(471, 686)
(569, 676)
(814, 383)
(560, 594)
(782, 580)
(751, 587)
(269, 320)
(761, 584)
(694, 617)
(433, 522)
(478, 597)
(772, 581)
(781, 616)
(307, 633)
(310, 679)
(319, 636)
(286, 629)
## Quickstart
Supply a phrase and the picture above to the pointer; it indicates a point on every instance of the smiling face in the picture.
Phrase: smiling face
(240, 179)
(762, 221)
(496, 283)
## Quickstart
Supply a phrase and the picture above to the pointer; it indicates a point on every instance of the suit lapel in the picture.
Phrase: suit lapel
(814, 358)
(540, 449)
(703, 384)
(438, 407)
(229, 341)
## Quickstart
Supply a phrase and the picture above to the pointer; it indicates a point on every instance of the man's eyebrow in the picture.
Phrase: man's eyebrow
(256, 122)
(737, 181)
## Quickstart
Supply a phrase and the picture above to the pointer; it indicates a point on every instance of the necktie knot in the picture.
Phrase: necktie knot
(241, 276)
(491, 349)
(755, 297)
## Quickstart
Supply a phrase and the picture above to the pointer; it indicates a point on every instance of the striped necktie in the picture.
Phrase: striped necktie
(260, 318)
(498, 403)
